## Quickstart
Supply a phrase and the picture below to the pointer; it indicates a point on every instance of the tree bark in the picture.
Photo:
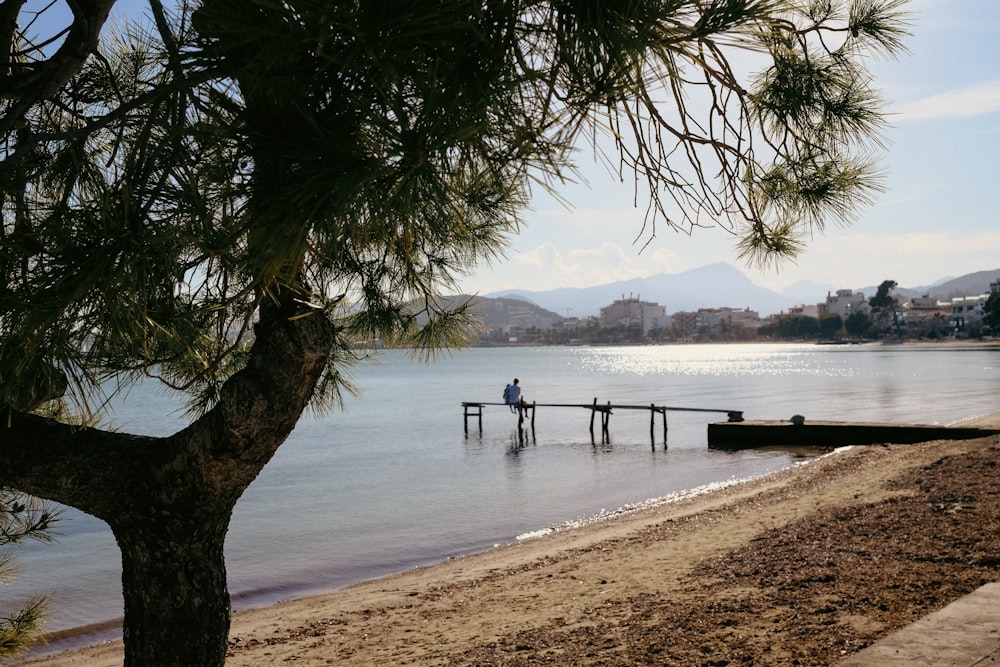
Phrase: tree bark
(169, 500)
(174, 584)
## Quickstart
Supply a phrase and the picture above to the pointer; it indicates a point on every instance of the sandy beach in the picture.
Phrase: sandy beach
(801, 567)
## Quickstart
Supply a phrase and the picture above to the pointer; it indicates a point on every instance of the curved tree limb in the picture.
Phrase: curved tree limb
(214, 459)
(26, 84)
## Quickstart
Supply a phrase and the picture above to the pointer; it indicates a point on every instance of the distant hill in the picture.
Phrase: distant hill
(968, 285)
(718, 285)
(945, 289)
(500, 312)
(709, 286)
(808, 292)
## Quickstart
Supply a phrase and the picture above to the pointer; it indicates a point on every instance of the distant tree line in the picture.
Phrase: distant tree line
(881, 319)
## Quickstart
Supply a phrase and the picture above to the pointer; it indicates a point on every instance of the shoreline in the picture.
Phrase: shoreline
(927, 342)
(82, 638)
(542, 599)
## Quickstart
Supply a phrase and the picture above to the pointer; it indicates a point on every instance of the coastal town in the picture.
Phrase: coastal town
(845, 316)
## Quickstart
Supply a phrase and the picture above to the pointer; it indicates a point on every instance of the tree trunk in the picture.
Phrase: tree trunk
(169, 500)
(174, 584)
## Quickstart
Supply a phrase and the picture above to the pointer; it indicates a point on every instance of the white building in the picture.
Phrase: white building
(715, 319)
(926, 302)
(845, 302)
(578, 323)
(807, 311)
(965, 309)
(632, 312)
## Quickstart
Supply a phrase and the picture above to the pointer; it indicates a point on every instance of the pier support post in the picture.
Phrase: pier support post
(652, 425)
(593, 411)
(478, 413)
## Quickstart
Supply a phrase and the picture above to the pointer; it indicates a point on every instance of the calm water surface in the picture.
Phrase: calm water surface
(392, 481)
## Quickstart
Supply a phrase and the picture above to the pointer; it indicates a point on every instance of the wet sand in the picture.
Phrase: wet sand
(801, 567)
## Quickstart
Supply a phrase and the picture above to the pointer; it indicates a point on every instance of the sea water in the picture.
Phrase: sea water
(391, 480)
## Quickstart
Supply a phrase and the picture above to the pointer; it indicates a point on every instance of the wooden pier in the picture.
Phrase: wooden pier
(526, 411)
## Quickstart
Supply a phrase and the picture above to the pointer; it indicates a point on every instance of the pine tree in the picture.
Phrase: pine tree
(226, 198)
(21, 518)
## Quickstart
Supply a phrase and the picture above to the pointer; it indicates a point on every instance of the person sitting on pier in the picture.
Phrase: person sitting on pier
(513, 394)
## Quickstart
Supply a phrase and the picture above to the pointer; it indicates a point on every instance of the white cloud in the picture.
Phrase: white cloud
(579, 267)
(978, 100)
(547, 267)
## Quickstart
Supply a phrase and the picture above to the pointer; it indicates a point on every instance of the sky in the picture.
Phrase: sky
(939, 215)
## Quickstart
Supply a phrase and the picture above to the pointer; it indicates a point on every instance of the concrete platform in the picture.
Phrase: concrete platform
(966, 633)
(771, 433)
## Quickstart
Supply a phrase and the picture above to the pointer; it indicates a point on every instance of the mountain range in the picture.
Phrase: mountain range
(720, 285)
